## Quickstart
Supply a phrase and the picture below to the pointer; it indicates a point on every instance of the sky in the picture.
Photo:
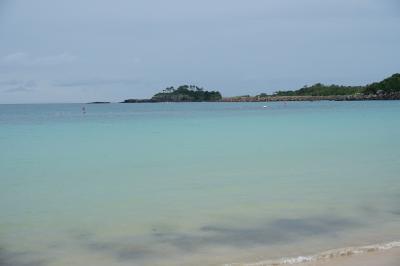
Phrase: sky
(97, 50)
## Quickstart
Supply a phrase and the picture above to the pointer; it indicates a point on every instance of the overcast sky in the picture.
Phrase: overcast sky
(88, 50)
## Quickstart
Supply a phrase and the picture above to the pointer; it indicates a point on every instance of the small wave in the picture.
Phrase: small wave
(326, 255)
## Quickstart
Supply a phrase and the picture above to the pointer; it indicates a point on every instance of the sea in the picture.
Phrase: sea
(197, 183)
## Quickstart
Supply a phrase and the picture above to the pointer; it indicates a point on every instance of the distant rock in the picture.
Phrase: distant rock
(139, 101)
(184, 93)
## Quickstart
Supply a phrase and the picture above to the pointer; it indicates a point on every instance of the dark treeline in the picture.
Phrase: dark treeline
(186, 93)
(322, 90)
(387, 86)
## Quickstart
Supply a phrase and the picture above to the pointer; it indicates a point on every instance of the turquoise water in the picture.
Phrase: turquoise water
(195, 183)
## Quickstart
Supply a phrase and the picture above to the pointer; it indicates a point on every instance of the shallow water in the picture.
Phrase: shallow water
(195, 183)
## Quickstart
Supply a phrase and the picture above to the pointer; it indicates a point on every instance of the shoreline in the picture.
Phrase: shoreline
(383, 258)
(357, 97)
(347, 256)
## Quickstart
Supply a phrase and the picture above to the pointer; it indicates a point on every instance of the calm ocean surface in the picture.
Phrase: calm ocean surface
(195, 183)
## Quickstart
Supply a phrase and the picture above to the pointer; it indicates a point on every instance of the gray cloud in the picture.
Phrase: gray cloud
(18, 86)
(9, 82)
(26, 60)
(237, 47)
(18, 89)
(96, 82)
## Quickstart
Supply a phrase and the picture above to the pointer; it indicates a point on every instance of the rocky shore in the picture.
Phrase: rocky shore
(357, 97)
(138, 101)
(387, 89)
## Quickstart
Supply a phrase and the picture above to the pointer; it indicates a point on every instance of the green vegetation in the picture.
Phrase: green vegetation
(387, 89)
(322, 90)
(387, 86)
(186, 93)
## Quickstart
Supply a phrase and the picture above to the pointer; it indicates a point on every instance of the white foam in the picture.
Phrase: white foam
(330, 254)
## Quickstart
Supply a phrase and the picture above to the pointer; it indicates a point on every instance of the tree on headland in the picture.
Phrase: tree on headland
(319, 89)
(386, 86)
(186, 93)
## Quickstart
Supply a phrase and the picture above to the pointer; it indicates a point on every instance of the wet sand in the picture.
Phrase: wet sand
(380, 258)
